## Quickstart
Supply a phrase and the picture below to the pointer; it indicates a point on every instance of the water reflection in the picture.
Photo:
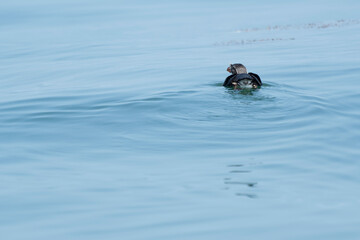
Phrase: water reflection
(247, 195)
(250, 92)
(238, 181)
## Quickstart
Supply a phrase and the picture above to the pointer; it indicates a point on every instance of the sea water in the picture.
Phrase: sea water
(114, 123)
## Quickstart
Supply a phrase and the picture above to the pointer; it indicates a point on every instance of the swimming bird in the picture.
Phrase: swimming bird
(240, 78)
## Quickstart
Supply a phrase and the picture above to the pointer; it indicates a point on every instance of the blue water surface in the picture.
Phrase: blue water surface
(114, 123)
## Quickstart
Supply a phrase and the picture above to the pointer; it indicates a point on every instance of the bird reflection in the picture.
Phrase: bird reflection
(234, 181)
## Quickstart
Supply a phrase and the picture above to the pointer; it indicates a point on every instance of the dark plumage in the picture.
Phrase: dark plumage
(240, 78)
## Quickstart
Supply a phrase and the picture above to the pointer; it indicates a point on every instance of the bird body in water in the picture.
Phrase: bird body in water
(241, 79)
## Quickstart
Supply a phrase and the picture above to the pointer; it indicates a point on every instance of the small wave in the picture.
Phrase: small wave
(335, 24)
(250, 41)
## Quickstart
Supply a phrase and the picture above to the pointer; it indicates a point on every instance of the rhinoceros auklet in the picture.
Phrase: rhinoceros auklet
(240, 78)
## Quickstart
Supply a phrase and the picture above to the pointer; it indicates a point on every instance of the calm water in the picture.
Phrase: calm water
(114, 123)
